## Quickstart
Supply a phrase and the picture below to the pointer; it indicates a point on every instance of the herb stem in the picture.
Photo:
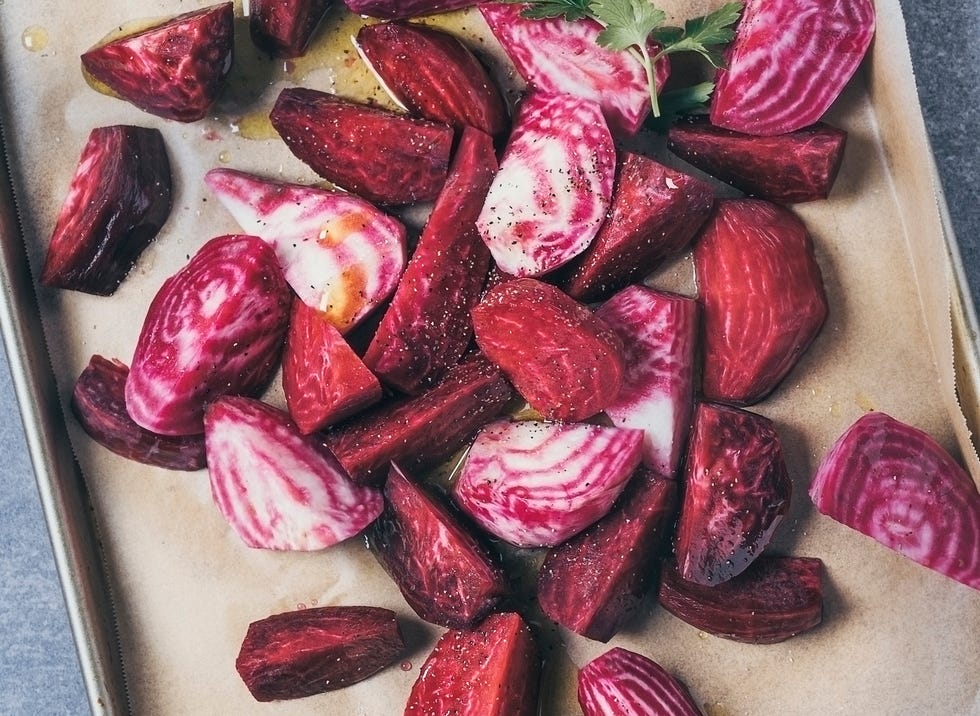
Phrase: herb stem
(648, 65)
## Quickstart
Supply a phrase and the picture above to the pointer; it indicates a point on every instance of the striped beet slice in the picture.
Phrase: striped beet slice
(789, 61)
(659, 335)
(555, 55)
(896, 484)
(554, 185)
(624, 682)
(277, 488)
(535, 484)
(341, 255)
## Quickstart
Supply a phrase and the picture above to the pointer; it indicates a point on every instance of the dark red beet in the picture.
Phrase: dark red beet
(309, 651)
(384, 157)
(774, 599)
(404, 9)
(284, 28)
(117, 201)
(99, 403)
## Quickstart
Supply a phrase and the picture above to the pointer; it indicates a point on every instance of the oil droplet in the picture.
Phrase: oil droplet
(314, 602)
(405, 665)
(301, 606)
(224, 156)
(34, 38)
(255, 126)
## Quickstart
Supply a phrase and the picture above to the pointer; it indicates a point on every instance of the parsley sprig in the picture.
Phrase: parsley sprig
(629, 25)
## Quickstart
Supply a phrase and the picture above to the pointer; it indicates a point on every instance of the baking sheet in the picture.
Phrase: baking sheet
(897, 638)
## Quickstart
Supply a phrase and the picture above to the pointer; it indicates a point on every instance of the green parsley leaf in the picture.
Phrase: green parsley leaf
(628, 22)
(680, 101)
(701, 34)
(571, 10)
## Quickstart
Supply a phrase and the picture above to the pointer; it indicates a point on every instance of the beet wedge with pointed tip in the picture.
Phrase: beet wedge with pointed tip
(897, 485)
(384, 157)
(277, 488)
(763, 298)
(295, 654)
(625, 682)
(773, 600)
(492, 670)
(117, 202)
(594, 582)
(736, 492)
(284, 28)
(790, 168)
(175, 69)
(98, 401)
(444, 573)
(434, 75)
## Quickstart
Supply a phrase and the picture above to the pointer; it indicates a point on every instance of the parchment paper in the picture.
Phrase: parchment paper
(896, 639)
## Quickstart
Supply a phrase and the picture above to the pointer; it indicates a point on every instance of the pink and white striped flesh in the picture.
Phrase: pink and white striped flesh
(342, 255)
(897, 485)
(623, 683)
(556, 55)
(277, 488)
(789, 61)
(554, 185)
(659, 335)
(535, 484)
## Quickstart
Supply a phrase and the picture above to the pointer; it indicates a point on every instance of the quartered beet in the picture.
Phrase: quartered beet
(215, 327)
(492, 670)
(556, 55)
(383, 157)
(404, 9)
(789, 168)
(422, 431)
(763, 298)
(309, 651)
(789, 61)
(284, 28)
(174, 69)
(99, 403)
(896, 484)
(427, 327)
(659, 332)
(563, 360)
(536, 484)
(655, 213)
(280, 489)
(341, 255)
(775, 599)
(443, 572)
(434, 75)
(118, 200)
(624, 682)
(323, 379)
(555, 182)
(736, 492)
(594, 582)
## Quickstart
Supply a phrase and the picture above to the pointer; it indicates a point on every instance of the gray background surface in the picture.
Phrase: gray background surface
(38, 667)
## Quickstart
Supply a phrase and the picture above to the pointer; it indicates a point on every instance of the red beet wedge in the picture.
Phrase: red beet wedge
(492, 671)
(404, 9)
(788, 168)
(655, 214)
(175, 69)
(323, 379)
(789, 61)
(383, 157)
(563, 360)
(284, 28)
(896, 484)
(624, 682)
(736, 492)
(555, 182)
(118, 200)
(99, 403)
(423, 431)
(280, 489)
(594, 582)
(427, 326)
(536, 484)
(659, 334)
(775, 599)
(215, 327)
(309, 651)
(443, 572)
(433, 75)
(556, 55)
(763, 298)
